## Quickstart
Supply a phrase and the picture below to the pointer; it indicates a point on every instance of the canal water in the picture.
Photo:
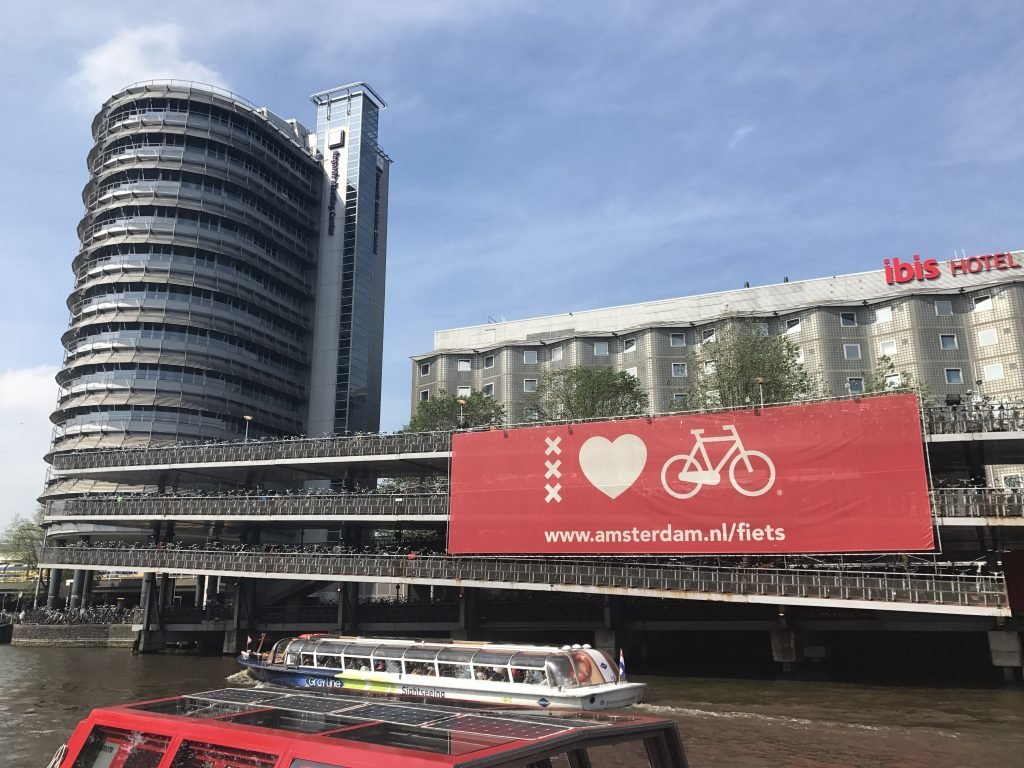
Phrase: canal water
(724, 722)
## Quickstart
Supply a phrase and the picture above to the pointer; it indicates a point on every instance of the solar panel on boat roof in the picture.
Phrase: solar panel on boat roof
(239, 695)
(511, 728)
(320, 705)
(397, 714)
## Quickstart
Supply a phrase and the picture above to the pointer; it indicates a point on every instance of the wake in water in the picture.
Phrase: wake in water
(243, 678)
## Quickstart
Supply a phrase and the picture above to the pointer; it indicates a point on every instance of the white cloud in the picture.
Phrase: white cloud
(152, 52)
(27, 396)
(739, 135)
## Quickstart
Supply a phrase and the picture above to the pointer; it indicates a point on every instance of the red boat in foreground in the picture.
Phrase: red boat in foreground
(265, 728)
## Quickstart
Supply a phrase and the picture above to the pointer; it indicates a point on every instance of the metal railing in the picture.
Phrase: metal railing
(953, 420)
(978, 502)
(257, 450)
(332, 505)
(886, 588)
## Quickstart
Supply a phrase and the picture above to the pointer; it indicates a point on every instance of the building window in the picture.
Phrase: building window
(993, 372)
(710, 368)
(531, 414)
(760, 329)
(883, 314)
(489, 361)
(629, 345)
(799, 356)
(600, 349)
(424, 369)
(424, 395)
(632, 372)
(982, 303)
(488, 390)
(793, 325)
(679, 399)
(465, 364)
(679, 370)
(855, 384)
(893, 381)
(848, 319)
(529, 385)
(887, 347)
(943, 308)
(851, 351)
(1013, 481)
(677, 339)
(947, 340)
(463, 391)
(530, 356)
(708, 334)
(556, 354)
(954, 376)
(988, 337)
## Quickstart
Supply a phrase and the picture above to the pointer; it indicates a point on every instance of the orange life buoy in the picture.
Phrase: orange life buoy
(583, 666)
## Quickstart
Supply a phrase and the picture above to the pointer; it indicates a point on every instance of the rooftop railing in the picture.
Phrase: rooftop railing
(1005, 503)
(884, 588)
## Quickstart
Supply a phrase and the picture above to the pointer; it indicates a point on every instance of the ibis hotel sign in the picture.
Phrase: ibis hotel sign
(897, 271)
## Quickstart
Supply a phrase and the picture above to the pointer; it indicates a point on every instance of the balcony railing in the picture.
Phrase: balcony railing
(257, 450)
(331, 505)
(886, 588)
(1006, 503)
(951, 420)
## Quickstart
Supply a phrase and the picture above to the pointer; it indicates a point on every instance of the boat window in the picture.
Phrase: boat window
(560, 672)
(529, 660)
(197, 754)
(105, 747)
(389, 651)
(458, 671)
(291, 659)
(360, 649)
(501, 658)
(456, 654)
(330, 662)
(493, 673)
(358, 663)
(428, 653)
(529, 675)
(307, 659)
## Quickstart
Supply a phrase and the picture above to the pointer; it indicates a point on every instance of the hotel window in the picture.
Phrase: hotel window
(629, 345)
(893, 381)
(465, 364)
(982, 303)
(489, 390)
(424, 369)
(632, 372)
(463, 391)
(529, 356)
(799, 356)
(710, 367)
(424, 395)
(556, 354)
(708, 334)
(851, 351)
(887, 347)
(793, 325)
(489, 361)
(529, 385)
(848, 319)
(531, 414)
(943, 307)
(679, 399)
(855, 384)
(600, 349)
(947, 341)
(1013, 481)
(954, 376)
(677, 339)
(679, 370)
(883, 315)
(760, 329)
(988, 337)
(993, 372)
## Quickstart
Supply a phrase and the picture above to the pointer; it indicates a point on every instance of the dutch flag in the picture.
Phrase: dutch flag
(622, 665)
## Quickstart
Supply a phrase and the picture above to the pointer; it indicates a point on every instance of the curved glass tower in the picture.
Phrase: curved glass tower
(199, 276)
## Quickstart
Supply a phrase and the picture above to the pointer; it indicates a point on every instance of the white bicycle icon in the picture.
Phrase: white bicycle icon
(747, 470)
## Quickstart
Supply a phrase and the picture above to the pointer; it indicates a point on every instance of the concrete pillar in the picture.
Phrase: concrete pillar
(604, 640)
(148, 639)
(468, 611)
(1005, 650)
(86, 600)
(77, 582)
(53, 593)
(784, 648)
(200, 595)
(243, 617)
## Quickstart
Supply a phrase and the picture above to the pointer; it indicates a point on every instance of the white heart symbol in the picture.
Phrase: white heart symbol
(612, 467)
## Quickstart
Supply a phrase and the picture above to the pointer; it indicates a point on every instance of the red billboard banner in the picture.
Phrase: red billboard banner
(840, 476)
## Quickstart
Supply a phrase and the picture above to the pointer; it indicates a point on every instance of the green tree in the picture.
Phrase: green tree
(885, 378)
(742, 365)
(22, 538)
(444, 413)
(586, 393)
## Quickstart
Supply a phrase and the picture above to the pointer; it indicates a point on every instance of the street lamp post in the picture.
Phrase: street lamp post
(462, 413)
(247, 418)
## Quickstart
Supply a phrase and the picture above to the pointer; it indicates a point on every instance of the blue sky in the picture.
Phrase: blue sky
(548, 156)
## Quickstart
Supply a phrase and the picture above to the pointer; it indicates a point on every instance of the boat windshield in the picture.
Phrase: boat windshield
(112, 746)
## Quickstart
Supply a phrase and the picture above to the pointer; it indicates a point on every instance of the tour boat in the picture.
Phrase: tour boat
(577, 677)
(272, 728)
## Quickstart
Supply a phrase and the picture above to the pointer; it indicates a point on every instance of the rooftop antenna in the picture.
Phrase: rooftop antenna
(491, 319)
